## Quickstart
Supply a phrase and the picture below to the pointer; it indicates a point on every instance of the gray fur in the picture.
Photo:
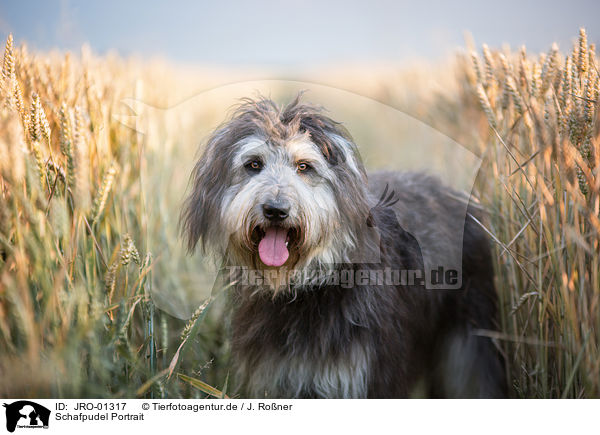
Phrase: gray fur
(316, 338)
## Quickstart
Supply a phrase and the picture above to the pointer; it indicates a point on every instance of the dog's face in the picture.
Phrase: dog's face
(280, 204)
(277, 188)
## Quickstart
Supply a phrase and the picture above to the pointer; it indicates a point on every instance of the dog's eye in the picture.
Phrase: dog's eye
(303, 167)
(254, 165)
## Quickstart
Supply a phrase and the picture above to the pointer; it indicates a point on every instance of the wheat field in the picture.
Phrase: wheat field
(99, 299)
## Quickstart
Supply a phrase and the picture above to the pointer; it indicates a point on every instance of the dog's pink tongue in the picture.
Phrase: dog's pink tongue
(272, 249)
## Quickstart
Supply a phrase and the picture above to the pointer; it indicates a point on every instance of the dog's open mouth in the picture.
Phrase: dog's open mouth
(274, 244)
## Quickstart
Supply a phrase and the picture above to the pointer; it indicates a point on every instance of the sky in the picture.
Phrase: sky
(294, 33)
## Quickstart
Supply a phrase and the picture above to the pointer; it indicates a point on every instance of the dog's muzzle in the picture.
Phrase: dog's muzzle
(274, 238)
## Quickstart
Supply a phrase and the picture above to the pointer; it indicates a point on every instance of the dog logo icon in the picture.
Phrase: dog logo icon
(26, 414)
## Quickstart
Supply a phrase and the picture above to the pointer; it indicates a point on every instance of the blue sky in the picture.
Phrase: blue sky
(301, 32)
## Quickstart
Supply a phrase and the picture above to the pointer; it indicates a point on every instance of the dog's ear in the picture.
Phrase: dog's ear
(336, 144)
(201, 209)
(331, 137)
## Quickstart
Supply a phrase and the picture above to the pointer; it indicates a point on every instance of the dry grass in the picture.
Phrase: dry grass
(541, 186)
(76, 270)
(88, 227)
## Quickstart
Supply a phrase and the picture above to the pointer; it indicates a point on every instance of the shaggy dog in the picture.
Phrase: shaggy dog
(327, 285)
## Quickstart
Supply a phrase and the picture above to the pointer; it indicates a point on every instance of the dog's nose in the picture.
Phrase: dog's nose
(276, 211)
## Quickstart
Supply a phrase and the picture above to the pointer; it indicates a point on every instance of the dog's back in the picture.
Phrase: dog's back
(461, 362)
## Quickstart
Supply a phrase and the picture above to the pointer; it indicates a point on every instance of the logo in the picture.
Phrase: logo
(26, 414)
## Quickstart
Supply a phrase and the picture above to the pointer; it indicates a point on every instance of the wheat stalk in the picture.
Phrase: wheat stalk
(66, 145)
(103, 192)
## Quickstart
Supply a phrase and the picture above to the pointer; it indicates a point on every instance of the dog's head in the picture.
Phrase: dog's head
(277, 188)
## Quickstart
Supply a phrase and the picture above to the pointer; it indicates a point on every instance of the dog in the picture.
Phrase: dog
(280, 195)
